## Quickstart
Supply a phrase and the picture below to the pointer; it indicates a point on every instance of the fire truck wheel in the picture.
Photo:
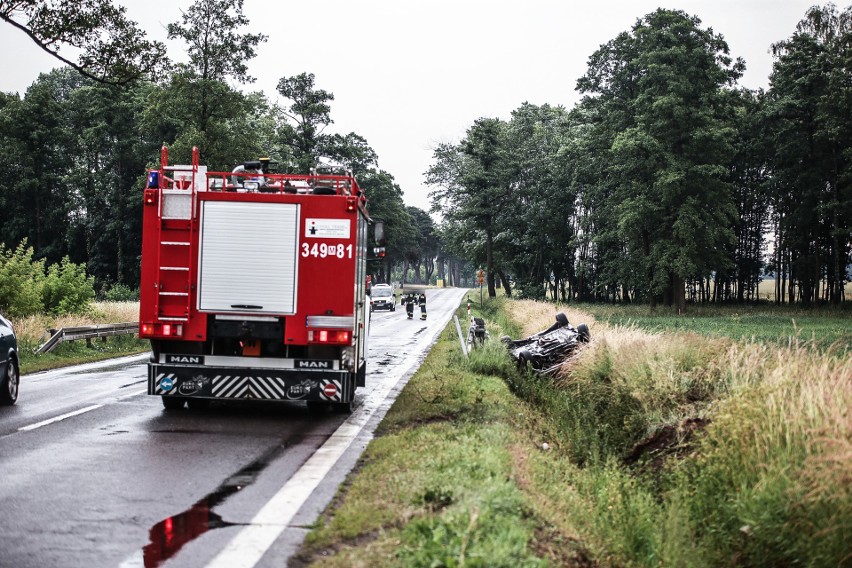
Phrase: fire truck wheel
(173, 403)
(342, 407)
(317, 407)
(198, 403)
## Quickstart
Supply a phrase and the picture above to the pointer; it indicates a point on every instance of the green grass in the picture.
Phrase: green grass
(77, 352)
(436, 487)
(33, 331)
(764, 323)
(663, 449)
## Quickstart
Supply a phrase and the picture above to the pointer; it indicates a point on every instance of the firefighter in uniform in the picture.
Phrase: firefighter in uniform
(421, 299)
(408, 299)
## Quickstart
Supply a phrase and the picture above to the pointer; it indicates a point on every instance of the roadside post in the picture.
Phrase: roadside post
(481, 278)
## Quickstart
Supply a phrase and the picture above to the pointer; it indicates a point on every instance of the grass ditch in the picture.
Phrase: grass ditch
(663, 449)
(32, 332)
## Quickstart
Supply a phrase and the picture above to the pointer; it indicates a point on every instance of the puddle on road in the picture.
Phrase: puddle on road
(168, 536)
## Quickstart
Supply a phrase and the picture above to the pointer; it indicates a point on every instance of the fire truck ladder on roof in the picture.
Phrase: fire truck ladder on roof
(177, 214)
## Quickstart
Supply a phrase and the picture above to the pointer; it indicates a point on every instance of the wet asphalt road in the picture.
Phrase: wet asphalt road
(93, 472)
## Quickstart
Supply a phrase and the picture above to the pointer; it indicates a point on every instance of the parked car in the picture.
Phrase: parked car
(382, 298)
(9, 366)
(546, 350)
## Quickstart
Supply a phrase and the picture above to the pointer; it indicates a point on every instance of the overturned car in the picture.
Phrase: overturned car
(546, 350)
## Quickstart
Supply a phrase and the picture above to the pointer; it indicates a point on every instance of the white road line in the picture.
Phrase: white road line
(59, 418)
(251, 543)
(137, 393)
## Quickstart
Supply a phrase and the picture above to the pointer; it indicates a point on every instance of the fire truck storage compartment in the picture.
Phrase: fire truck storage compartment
(248, 257)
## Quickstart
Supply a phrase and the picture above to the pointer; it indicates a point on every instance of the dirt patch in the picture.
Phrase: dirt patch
(670, 441)
(305, 558)
(559, 549)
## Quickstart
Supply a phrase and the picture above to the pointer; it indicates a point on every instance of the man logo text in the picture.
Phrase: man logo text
(186, 359)
(313, 364)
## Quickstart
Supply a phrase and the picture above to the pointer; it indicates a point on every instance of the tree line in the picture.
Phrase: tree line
(666, 183)
(75, 147)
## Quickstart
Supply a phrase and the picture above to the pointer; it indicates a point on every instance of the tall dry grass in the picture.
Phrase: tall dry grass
(766, 483)
(32, 330)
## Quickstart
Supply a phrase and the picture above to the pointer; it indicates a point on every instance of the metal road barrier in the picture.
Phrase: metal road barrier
(88, 332)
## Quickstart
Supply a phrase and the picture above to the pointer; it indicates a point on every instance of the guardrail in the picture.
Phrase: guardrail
(87, 332)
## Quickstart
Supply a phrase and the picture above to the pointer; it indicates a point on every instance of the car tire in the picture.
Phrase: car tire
(10, 383)
(173, 402)
(524, 358)
(562, 319)
(583, 333)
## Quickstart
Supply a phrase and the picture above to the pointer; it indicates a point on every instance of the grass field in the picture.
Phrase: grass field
(650, 449)
(32, 332)
(763, 323)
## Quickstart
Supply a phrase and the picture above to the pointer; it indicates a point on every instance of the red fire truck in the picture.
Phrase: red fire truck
(253, 285)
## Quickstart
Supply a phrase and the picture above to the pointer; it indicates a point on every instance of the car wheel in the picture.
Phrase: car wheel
(524, 360)
(583, 333)
(173, 402)
(562, 319)
(9, 384)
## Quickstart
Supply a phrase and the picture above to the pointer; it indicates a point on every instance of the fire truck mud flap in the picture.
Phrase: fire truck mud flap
(229, 383)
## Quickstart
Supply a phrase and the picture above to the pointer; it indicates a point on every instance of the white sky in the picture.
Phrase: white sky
(408, 75)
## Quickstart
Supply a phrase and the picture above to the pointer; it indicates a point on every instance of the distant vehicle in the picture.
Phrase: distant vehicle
(9, 366)
(546, 350)
(382, 298)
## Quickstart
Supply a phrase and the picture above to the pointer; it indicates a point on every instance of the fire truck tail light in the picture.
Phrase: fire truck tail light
(151, 196)
(330, 336)
(161, 330)
(350, 203)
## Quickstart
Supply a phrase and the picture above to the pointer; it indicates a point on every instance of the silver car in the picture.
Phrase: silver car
(382, 298)
(9, 367)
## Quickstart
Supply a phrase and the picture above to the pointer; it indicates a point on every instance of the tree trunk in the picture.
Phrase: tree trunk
(507, 287)
(489, 262)
(679, 293)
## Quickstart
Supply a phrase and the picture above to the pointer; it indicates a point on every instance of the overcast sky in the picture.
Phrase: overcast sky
(408, 75)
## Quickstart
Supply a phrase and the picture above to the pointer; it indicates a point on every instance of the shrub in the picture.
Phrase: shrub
(120, 293)
(67, 289)
(21, 280)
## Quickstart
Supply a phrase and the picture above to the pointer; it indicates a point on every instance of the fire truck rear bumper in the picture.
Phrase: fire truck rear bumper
(229, 383)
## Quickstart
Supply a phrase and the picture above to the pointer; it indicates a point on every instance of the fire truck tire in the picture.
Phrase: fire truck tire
(342, 407)
(198, 403)
(173, 402)
(317, 407)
